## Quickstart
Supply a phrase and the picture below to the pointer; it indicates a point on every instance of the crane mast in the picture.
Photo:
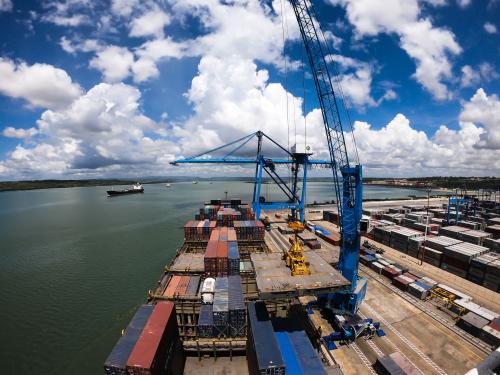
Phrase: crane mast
(347, 179)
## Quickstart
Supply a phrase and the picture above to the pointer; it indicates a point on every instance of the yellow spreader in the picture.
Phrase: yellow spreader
(294, 257)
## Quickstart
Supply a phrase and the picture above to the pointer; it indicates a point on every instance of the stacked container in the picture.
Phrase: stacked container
(221, 307)
(452, 231)
(251, 230)
(233, 258)
(158, 348)
(116, 363)
(456, 258)
(263, 353)
(201, 230)
(236, 303)
(492, 276)
(210, 259)
(400, 237)
(206, 321)
(477, 268)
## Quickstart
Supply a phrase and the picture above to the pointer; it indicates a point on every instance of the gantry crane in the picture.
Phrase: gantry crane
(347, 179)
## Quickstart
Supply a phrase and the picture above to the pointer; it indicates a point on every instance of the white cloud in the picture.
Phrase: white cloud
(436, 3)
(123, 8)
(463, 3)
(41, 85)
(68, 13)
(152, 22)
(484, 110)
(483, 73)
(490, 28)
(103, 131)
(469, 76)
(429, 46)
(6, 5)
(20, 133)
(114, 63)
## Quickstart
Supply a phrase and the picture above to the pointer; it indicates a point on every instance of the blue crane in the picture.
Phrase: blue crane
(347, 179)
(265, 161)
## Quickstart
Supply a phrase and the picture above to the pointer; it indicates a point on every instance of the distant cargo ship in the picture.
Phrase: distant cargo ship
(137, 188)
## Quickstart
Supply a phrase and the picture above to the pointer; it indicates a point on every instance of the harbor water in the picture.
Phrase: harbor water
(75, 265)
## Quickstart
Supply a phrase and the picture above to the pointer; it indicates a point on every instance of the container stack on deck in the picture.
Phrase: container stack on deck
(150, 344)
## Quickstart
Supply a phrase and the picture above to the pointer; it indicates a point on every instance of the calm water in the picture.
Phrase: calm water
(74, 265)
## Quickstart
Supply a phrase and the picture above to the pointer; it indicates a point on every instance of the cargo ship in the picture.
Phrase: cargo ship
(211, 302)
(136, 189)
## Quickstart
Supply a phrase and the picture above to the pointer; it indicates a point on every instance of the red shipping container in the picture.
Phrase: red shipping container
(172, 286)
(390, 272)
(157, 342)
(214, 236)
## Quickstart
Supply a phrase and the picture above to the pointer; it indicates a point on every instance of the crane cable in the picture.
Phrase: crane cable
(336, 77)
(286, 88)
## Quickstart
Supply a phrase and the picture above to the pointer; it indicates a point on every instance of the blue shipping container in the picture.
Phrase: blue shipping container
(306, 354)
(117, 361)
(287, 351)
(263, 352)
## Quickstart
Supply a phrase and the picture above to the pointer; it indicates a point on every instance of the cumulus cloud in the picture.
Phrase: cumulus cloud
(20, 133)
(490, 28)
(102, 131)
(484, 110)
(114, 62)
(483, 73)
(150, 23)
(429, 46)
(41, 85)
(6, 5)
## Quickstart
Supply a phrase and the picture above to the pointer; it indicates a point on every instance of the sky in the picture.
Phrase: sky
(121, 88)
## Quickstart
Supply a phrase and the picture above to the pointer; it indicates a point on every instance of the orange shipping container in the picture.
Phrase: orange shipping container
(231, 234)
(182, 287)
(172, 286)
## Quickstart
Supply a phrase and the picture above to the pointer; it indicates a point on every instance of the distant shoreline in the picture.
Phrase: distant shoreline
(59, 184)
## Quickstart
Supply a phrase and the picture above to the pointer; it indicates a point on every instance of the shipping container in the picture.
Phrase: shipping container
(194, 283)
(472, 323)
(308, 358)
(206, 322)
(263, 353)
(236, 305)
(172, 286)
(158, 348)
(221, 307)
(116, 363)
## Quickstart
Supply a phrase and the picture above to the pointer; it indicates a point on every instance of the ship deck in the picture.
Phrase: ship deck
(274, 279)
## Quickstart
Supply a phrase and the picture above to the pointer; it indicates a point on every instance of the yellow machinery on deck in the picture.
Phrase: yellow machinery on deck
(294, 257)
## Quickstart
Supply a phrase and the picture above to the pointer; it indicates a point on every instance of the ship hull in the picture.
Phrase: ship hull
(113, 193)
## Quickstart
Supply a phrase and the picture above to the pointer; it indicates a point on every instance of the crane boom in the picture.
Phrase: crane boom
(347, 179)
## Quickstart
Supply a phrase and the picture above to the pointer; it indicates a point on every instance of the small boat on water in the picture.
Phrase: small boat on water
(168, 185)
(136, 189)
(195, 182)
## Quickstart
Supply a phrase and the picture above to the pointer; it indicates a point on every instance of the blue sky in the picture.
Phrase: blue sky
(123, 87)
